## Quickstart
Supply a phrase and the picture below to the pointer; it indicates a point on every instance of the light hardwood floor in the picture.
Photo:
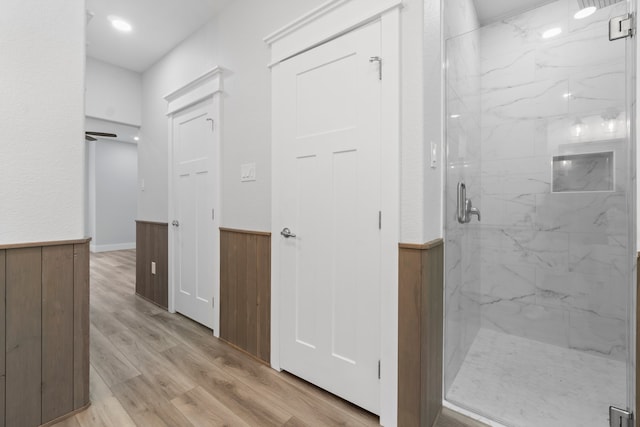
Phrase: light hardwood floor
(152, 368)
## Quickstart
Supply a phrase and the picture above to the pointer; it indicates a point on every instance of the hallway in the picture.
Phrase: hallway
(153, 368)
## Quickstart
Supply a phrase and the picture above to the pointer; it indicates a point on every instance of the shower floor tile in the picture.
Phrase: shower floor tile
(525, 383)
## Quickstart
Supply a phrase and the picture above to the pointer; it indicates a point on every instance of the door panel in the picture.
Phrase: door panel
(194, 236)
(330, 187)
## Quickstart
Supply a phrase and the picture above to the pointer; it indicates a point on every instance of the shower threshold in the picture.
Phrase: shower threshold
(520, 382)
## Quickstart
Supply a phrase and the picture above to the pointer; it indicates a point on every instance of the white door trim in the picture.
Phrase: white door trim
(332, 19)
(208, 85)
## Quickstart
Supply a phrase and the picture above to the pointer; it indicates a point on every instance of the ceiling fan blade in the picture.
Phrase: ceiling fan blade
(105, 134)
(89, 138)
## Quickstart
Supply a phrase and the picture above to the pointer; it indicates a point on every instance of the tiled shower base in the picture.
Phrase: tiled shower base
(524, 383)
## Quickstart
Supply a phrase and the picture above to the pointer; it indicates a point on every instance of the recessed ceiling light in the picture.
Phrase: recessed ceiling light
(120, 24)
(552, 32)
(583, 13)
(454, 116)
(567, 95)
(136, 138)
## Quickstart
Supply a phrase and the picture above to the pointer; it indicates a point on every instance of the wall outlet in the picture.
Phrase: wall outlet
(248, 172)
(153, 267)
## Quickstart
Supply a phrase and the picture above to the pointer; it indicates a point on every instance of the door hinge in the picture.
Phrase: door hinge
(620, 418)
(379, 61)
(213, 214)
(379, 220)
(213, 302)
(378, 369)
(212, 123)
(621, 27)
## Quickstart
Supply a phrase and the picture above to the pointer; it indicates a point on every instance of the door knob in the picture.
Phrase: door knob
(175, 223)
(287, 233)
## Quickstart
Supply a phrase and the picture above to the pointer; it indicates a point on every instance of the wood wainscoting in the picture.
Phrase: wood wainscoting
(245, 291)
(44, 331)
(152, 245)
(420, 340)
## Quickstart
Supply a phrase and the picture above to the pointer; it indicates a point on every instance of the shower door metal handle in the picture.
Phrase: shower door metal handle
(465, 209)
(462, 201)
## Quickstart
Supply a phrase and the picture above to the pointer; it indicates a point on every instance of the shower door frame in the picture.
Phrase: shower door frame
(632, 58)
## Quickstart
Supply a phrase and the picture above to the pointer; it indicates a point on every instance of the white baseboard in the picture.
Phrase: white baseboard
(109, 248)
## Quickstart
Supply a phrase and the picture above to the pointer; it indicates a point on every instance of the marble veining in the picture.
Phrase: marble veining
(526, 383)
(537, 294)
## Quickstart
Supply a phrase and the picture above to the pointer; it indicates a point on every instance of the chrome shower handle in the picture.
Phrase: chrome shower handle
(464, 209)
(471, 211)
(462, 200)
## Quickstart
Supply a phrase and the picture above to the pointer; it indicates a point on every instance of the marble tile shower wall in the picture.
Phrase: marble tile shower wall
(462, 319)
(554, 266)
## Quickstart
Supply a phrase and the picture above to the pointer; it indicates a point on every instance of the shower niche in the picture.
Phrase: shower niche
(583, 172)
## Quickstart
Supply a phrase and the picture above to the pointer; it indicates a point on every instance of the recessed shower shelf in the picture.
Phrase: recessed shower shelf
(583, 172)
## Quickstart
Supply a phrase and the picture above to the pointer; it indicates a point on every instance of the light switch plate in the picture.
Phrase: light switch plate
(248, 172)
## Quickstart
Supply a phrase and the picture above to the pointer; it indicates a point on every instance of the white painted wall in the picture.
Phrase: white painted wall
(41, 121)
(113, 93)
(90, 191)
(432, 119)
(233, 41)
(113, 173)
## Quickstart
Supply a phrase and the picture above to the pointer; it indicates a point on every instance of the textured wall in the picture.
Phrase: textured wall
(116, 166)
(113, 93)
(41, 120)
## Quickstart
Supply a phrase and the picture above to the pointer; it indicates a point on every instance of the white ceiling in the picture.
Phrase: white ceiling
(492, 10)
(158, 26)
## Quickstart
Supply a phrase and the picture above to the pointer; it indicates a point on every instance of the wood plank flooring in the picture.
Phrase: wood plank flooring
(151, 368)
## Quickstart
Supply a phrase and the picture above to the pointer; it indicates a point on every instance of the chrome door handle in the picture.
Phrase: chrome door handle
(287, 233)
(175, 223)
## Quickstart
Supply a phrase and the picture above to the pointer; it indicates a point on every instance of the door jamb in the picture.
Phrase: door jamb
(208, 85)
(329, 21)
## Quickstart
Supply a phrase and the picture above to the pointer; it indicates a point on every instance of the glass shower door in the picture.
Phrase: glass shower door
(538, 285)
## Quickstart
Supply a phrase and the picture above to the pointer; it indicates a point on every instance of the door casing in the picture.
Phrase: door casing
(208, 85)
(325, 23)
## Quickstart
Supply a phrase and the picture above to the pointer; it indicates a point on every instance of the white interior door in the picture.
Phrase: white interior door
(327, 178)
(194, 221)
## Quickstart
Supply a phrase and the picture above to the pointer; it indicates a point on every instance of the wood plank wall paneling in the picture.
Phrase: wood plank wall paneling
(81, 289)
(245, 291)
(263, 255)
(24, 336)
(420, 340)
(57, 331)
(152, 245)
(44, 331)
(2, 334)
